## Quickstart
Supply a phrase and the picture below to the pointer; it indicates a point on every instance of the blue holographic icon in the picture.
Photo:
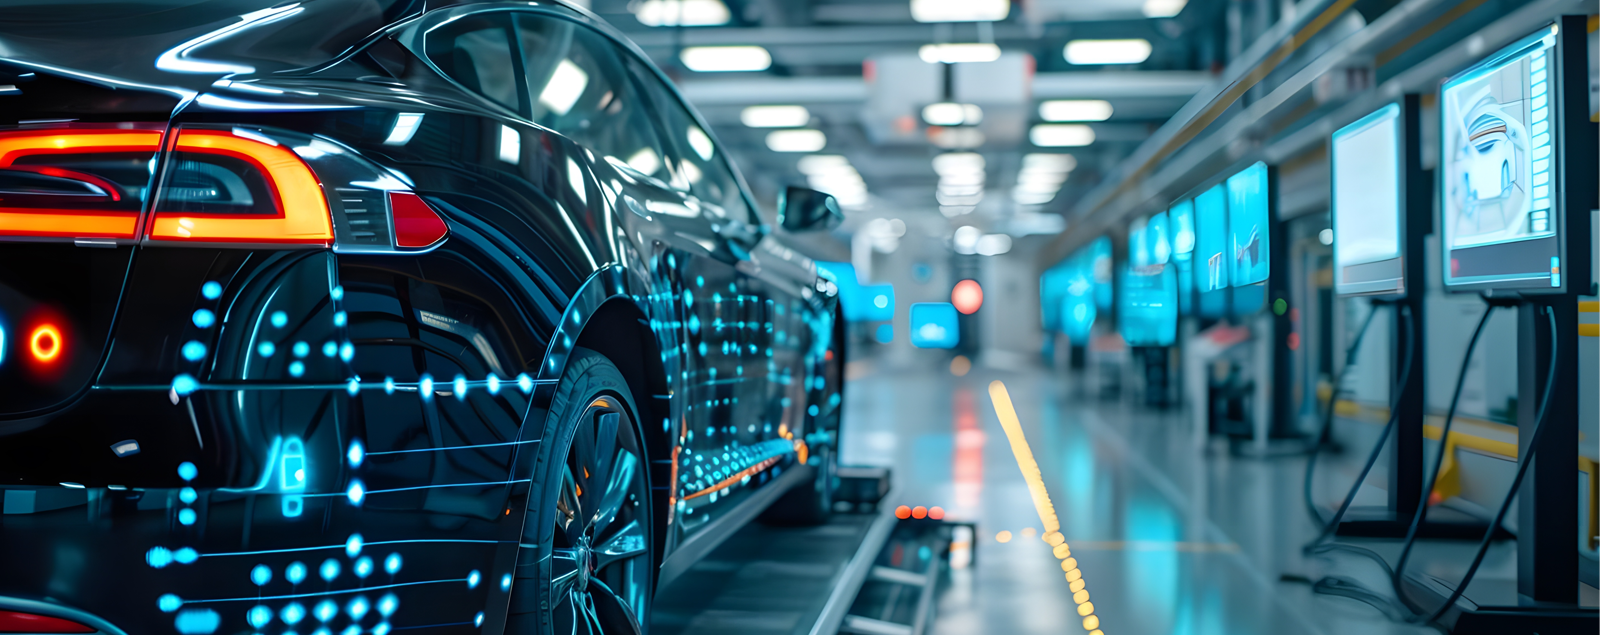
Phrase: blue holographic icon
(280, 319)
(187, 471)
(352, 546)
(330, 348)
(387, 604)
(358, 607)
(357, 453)
(185, 555)
(473, 578)
(292, 613)
(295, 573)
(197, 622)
(301, 349)
(183, 385)
(204, 318)
(186, 516)
(194, 351)
(356, 493)
(266, 349)
(259, 616)
(297, 368)
(211, 290)
(188, 495)
(261, 575)
(169, 603)
(326, 610)
(329, 570)
(392, 563)
(363, 567)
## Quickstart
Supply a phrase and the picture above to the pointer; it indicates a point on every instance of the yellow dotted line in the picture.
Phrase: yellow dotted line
(1041, 504)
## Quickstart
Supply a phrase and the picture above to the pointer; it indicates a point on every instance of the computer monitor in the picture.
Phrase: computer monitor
(1249, 247)
(1501, 130)
(1368, 204)
(1077, 305)
(1148, 315)
(1211, 240)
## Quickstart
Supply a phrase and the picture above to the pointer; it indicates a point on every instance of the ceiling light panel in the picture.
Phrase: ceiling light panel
(960, 10)
(959, 53)
(1163, 8)
(1061, 135)
(1098, 52)
(797, 140)
(775, 116)
(1075, 110)
(682, 13)
(723, 59)
(952, 114)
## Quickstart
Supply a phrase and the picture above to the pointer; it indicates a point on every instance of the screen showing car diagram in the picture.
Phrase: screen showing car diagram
(1247, 226)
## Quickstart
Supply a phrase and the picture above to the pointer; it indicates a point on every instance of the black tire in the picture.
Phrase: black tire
(585, 564)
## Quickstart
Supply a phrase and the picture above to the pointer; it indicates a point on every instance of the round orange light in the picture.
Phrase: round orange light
(967, 296)
(936, 513)
(45, 343)
(919, 512)
(902, 512)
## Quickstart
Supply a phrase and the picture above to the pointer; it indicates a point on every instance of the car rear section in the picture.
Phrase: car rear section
(169, 292)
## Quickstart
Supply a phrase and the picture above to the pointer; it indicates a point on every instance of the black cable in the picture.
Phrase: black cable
(1516, 483)
(1327, 417)
(1332, 525)
(1421, 514)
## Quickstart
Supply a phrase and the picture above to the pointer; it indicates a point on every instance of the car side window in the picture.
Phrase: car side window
(578, 87)
(476, 52)
(698, 165)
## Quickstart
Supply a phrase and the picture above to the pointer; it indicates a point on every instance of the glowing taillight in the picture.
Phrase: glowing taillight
(74, 182)
(226, 209)
(45, 343)
(19, 622)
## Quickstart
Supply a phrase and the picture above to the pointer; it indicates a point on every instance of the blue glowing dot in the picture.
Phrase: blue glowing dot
(812, 410)
(347, 351)
(259, 616)
(280, 319)
(337, 292)
(473, 578)
(505, 582)
(358, 607)
(525, 383)
(194, 351)
(666, 424)
(211, 290)
(352, 546)
(425, 387)
(292, 613)
(266, 349)
(197, 622)
(187, 495)
(460, 385)
(330, 348)
(357, 454)
(340, 318)
(716, 298)
(184, 384)
(295, 573)
(702, 348)
(381, 629)
(699, 281)
(158, 557)
(354, 387)
(297, 368)
(326, 610)
(261, 575)
(392, 563)
(363, 567)
(494, 384)
(186, 555)
(301, 349)
(204, 318)
(356, 493)
(169, 603)
(688, 299)
(478, 621)
(388, 385)
(694, 324)
(187, 471)
(387, 604)
(328, 571)
(672, 262)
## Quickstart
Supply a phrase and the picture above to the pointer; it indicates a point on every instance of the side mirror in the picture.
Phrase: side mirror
(804, 209)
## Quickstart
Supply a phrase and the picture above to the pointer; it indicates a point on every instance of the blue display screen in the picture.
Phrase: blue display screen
(1148, 315)
(1181, 218)
(1248, 246)
(1100, 268)
(1211, 241)
(861, 303)
(935, 325)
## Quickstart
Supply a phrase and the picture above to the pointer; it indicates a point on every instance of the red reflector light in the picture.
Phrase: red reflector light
(14, 622)
(45, 342)
(416, 226)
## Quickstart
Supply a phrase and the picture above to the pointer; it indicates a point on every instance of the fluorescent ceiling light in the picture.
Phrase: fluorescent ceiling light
(993, 244)
(821, 163)
(966, 239)
(721, 59)
(564, 88)
(958, 163)
(959, 53)
(1023, 197)
(956, 179)
(1091, 52)
(682, 13)
(1075, 110)
(1049, 162)
(797, 140)
(1061, 135)
(956, 138)
(775, 116)
(952, 114)
(1163, 8)
(960, 190)
(949, 199)
(959, 10)
(1041, 180)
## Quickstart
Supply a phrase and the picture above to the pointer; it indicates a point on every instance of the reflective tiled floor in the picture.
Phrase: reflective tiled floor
(1168, 540)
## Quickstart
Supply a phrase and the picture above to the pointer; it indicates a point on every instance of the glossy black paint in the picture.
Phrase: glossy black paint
(728, 346)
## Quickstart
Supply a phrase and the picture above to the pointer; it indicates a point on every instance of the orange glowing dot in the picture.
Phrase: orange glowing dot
(1028, 532)
(936, 513)
(1053, 538)
(45, 343)
(1074, 575)
(586, 472)
(1004, 536)
(1076, 585)
(1061, 551)
(960, 366)
(902, 512)
(1091, 622)
(1085, 608)
(1069, 564)
(580, 489)
(827, 356)
(919, 512)
(1080, 596)
(967, 296)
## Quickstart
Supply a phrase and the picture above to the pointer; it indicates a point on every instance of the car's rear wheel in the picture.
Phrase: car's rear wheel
(586, 551)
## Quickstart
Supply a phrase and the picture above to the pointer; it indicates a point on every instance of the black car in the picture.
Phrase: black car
(353, 317)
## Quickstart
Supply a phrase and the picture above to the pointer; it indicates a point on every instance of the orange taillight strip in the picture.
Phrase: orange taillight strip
(302, 218)
(70, 223)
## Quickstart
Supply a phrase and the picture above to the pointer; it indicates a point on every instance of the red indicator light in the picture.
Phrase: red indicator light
(967, 297)
(45, 342)
(902, 512)
(15, 622)
(416, 226)
(919, 512)
(936, 513)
